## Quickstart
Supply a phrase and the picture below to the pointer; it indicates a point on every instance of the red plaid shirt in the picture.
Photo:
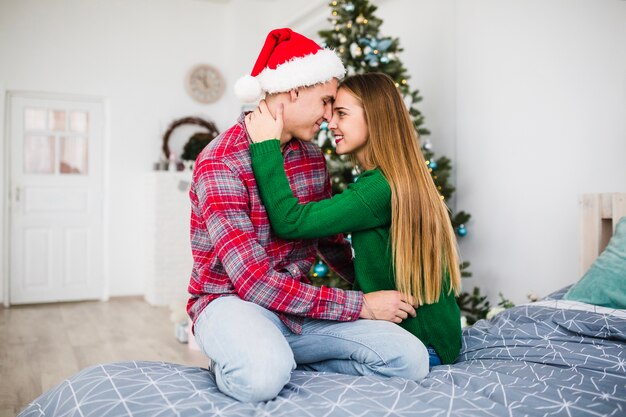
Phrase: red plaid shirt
(233, 248)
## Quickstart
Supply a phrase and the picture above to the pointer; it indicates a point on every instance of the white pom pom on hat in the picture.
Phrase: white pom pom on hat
(248, 89)
(288, 60)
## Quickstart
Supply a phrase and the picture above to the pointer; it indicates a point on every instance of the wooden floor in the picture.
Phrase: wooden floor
(41, 345)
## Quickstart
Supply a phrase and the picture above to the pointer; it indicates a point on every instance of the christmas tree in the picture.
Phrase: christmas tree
(354, 35)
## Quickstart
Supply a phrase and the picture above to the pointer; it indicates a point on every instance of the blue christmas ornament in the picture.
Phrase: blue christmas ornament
(379, 45)
(384, 44)
(432, 165)
(384, 59)
(348, 7)
(324, 125)
(461, 230)
(372, 59)
(320, 269)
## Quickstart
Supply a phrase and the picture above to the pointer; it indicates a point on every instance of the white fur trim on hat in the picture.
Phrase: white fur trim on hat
(306, 71)
(248, 89)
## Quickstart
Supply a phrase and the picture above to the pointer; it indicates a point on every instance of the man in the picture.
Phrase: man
(255, 314)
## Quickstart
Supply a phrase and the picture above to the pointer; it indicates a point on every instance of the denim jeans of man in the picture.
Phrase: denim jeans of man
(253, 353)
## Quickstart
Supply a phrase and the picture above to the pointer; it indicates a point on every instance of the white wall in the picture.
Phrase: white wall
(526, 96)
(134, 53)
(4, 218)
(426, 29)
(541, 106)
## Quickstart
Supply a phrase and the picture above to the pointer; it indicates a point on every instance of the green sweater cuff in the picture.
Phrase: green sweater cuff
(265, 147)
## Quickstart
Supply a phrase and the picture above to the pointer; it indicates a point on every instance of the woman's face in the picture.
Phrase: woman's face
(349, 126)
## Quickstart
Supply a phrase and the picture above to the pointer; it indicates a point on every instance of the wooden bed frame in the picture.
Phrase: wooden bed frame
(599, 214)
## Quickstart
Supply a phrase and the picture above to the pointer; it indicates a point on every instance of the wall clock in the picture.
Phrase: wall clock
(205, 83)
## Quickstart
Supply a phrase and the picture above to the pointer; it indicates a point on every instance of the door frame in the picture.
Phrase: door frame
(6, 97)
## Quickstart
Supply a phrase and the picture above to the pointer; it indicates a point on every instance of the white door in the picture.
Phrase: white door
(56, 215)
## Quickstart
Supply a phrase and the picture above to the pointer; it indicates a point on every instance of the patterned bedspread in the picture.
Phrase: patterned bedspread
(550, 358)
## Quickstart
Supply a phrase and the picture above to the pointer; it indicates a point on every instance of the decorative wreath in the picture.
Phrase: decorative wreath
(210, 126)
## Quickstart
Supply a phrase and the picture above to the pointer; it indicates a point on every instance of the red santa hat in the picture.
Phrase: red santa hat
(288, 60)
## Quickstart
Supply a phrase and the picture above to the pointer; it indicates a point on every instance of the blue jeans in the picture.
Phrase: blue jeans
(433, 357)
(253, 353)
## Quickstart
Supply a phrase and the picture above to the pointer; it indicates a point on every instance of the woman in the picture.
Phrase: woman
(401, 233)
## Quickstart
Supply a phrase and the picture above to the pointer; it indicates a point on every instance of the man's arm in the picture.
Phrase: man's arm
(223, 198)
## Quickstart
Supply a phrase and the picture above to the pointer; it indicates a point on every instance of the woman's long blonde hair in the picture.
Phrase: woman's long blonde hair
(422, 239)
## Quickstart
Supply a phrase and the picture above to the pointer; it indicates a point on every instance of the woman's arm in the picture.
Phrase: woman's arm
(363, 205)
(360, 206)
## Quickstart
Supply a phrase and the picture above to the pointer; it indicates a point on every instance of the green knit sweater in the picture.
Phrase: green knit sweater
(363, 209)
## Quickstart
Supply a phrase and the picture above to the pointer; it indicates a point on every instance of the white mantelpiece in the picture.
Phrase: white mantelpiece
(168, 252)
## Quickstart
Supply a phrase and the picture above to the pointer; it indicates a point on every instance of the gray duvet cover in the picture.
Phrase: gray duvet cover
(550, 358)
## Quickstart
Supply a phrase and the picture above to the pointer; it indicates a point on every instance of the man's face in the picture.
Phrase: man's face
(310, 108)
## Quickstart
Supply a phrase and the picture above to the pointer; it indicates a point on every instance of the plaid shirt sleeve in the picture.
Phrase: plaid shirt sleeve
(223, 198)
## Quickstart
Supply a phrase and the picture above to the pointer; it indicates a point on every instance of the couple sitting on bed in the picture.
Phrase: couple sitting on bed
(261, 209)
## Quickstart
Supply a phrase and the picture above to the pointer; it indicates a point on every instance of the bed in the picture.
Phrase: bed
(554, 357)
